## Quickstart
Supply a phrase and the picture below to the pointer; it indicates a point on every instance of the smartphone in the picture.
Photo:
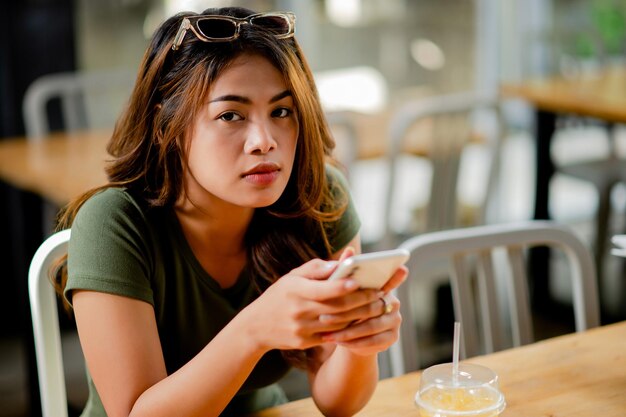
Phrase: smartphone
(371, 270)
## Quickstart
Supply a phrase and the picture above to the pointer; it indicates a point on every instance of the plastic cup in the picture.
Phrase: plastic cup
(474, 392)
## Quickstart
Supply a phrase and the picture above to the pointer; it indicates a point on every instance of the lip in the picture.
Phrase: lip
(263, 173)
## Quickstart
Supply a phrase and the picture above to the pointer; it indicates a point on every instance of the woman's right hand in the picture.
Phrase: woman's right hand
(286, 315)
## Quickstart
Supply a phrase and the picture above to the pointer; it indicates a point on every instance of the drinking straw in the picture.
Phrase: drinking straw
(455, 352)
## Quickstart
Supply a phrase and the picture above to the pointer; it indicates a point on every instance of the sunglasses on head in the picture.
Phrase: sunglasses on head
(217, 28)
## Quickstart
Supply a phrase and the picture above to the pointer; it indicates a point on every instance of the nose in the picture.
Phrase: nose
(260, 140)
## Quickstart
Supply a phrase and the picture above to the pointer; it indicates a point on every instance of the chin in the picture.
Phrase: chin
(256, 199)
(263, 203)
(264, 198)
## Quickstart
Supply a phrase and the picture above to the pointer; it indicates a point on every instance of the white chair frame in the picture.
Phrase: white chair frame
(72, 88)
(455, 246)
(43, 304)
(453, 130)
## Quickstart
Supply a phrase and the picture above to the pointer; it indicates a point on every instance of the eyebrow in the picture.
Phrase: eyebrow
(246, 100)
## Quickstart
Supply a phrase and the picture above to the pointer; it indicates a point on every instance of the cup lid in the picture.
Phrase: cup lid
(469, 375)
(473, 392)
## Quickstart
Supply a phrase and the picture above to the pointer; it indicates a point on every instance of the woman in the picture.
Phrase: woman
(197, 275)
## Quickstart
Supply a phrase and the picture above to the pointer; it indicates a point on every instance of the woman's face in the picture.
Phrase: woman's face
(243, 141)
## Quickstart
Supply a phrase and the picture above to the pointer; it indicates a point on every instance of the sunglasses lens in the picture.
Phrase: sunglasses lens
(217, 28)
(279, 25)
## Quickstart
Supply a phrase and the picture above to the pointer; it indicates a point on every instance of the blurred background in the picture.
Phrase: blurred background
(371, 59)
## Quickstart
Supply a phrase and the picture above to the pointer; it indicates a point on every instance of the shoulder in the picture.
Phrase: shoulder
(346, 223)
(337, 184)
(110, 200)
(112, 205)
(334, 175)
(112, 212)
(112, 246)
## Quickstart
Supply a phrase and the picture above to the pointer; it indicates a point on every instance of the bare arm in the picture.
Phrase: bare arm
(121, 344)
(344, 373)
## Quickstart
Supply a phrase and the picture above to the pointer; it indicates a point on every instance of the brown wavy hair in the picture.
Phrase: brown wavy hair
(149, 144)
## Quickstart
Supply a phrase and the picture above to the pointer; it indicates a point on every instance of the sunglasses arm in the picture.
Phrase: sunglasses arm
(180, 35)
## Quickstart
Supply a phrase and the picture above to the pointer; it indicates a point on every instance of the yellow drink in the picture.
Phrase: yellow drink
(437, 401)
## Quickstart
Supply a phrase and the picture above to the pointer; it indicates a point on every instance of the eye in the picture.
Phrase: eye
(282, 112)
(230, 117)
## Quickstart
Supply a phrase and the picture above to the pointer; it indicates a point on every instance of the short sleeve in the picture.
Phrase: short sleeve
(108, 250)
(341, 232)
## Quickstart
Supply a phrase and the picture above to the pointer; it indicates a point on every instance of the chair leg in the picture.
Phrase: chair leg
(602, 228)
(621, 312)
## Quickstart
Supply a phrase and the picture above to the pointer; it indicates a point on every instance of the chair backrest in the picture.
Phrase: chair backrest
(343, 128)
(346, 95)
(475, 300)
(91, 99)
(43, 304)
(453, 121)
(88, 100)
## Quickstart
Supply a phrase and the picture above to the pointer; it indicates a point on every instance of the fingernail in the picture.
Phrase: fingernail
(330, 264)
(380, 294)
(325, 317)
(350, 284)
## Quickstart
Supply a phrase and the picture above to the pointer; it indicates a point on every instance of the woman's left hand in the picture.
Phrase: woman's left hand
(376, 325)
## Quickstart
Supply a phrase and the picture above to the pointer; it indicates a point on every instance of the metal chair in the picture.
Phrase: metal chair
(346, 95)
(43, 305)
(453, 121)
(90, 99)
(604, 174)
(475, 300)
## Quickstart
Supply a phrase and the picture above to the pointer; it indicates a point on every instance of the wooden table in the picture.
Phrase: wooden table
(58, 168)
(601, 95)
(580, 374)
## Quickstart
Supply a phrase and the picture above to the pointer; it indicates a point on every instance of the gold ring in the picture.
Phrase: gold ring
(387, 307)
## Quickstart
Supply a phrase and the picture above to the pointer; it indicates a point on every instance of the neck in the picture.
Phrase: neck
(220, 226)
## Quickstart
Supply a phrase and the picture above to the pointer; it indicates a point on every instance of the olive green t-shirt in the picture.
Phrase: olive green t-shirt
(121, 246)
